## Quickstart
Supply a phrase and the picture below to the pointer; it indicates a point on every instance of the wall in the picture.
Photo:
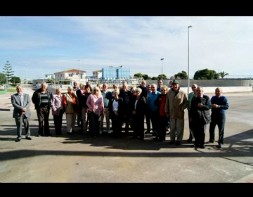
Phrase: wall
(228, 85)
(210, 83)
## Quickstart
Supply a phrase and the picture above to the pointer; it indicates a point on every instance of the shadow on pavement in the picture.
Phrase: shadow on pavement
(239, 145)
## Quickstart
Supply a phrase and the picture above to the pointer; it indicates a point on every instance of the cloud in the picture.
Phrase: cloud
(52, 43)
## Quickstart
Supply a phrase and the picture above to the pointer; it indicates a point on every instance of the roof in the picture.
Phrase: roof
(71, 71)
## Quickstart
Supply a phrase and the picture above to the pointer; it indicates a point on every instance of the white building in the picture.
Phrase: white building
(72, 75)
(49, 76)
(97, 74)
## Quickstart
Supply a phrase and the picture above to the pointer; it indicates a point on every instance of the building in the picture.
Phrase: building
(72, 75)
(97, 74)
(112, 73)
(123, 73)
(49, 76)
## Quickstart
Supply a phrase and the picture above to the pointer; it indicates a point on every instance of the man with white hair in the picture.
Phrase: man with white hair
(200, 115)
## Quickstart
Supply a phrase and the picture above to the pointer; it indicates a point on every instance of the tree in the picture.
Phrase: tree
(14, 80)
(182, 75)
(223, 74)
(7, 70)
(2, 78)
(138, 75)
(143, 76)
(50, 80)
(162, 76)
(206, 74)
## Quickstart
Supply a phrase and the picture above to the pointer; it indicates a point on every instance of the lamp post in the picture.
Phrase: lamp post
(188, 81)
(162, 64)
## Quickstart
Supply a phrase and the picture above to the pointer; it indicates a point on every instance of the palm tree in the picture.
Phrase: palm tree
(223, 74)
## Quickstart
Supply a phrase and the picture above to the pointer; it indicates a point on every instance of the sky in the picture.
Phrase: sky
(39, 45)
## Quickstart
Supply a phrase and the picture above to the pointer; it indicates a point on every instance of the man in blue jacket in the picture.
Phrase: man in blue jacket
(218, 116)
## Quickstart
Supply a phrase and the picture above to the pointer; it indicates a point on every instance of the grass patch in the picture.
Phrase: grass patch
(11, 90)
(3, 91)
(8, 90)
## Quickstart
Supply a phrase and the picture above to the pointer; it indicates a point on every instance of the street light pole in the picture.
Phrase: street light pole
(162, 64)
(188, 84)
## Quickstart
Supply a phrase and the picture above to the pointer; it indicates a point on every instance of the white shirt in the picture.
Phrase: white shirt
(21, 99)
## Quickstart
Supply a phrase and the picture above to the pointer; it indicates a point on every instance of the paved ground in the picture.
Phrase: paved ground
(105, 160)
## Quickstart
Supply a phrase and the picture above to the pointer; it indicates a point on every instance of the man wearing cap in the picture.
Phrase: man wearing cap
(176, 103)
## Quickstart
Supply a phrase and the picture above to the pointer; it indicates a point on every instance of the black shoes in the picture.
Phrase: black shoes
(201, 146)
(175, 142)
(218, 146)
(17, 139)
(172, 142)
(211, 141)
(28, 138)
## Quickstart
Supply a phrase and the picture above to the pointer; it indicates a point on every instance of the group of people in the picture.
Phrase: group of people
(163, 106)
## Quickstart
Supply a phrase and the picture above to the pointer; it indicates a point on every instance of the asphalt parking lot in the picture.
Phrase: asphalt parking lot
(79, 159)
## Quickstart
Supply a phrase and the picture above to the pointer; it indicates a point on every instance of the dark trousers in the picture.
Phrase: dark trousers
(148, 121)
(94, 124)
(154, 116)
(191, 127)
(220, 122)
(138, 126)
(79, 118)
(127, 119)
(163, 121)
(58, 123)
(43, 118)
(116, 124)
(199, 133)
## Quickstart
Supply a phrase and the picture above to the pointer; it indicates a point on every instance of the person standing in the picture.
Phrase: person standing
(57, 111)
(153, 109)
(190, 96)
(126, 95)
(95, 104)
(77, 91)
(84, 97)
(144, 92)
(42, 100)
(70, 105)
(138, 107)
(200, 116)
(176, 103)
(218, 116)
(163, 119)
(116, 112)
(21, 112)
(107, 96)
(159, 85)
